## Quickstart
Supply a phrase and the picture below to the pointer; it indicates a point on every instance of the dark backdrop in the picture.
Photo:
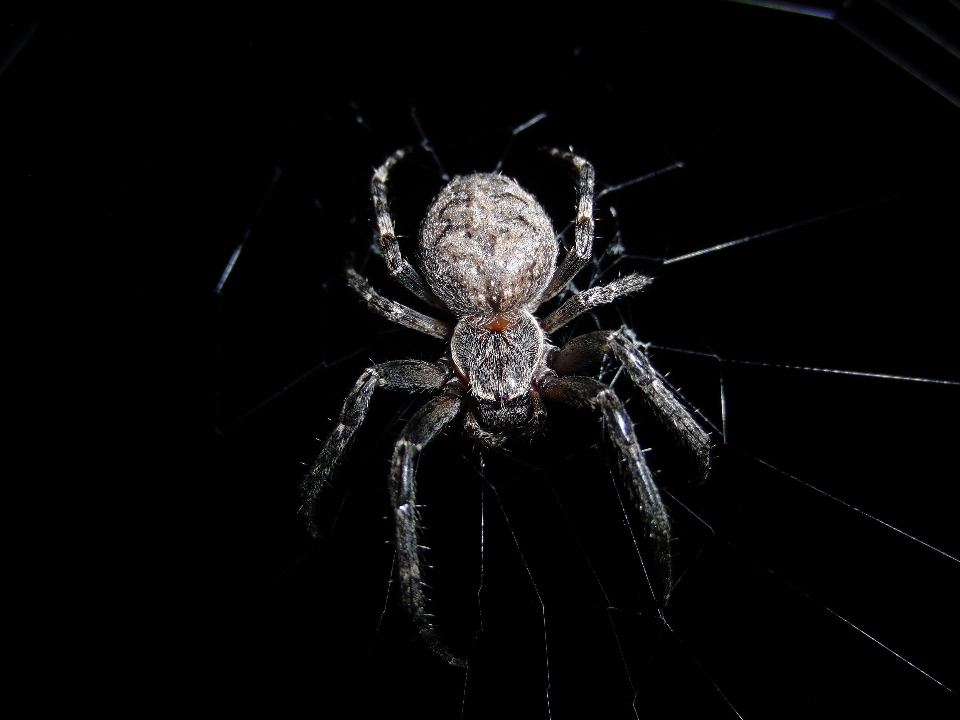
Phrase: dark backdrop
(169, 569)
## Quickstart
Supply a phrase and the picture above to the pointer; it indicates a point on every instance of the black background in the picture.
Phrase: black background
(168, 566)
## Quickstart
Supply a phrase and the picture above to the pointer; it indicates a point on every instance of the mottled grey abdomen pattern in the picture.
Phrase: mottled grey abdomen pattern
(487, 246)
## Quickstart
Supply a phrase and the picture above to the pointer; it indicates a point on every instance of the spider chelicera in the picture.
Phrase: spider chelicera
(489, 257)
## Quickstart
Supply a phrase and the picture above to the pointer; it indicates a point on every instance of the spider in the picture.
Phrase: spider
(489, 257)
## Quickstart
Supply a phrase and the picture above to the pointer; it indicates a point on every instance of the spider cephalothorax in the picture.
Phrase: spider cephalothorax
(489, 258)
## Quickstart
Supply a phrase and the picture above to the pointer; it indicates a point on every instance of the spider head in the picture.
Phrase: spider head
(496, 356)
(505, 416)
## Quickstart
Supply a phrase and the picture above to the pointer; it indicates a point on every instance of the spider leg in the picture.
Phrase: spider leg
(419, 431)
(594, 297)
(396, 312)
(583, 391)
(399, 267)
(408, 375)
(591, 347)
(581, 252)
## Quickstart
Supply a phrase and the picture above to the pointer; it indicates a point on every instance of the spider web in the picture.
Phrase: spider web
(800, 304)
(816, 566)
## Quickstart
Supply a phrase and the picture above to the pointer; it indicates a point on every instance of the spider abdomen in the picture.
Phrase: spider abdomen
(487, 246)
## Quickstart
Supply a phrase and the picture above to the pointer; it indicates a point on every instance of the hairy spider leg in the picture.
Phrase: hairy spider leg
(582, 391)
(399, 267)
(581, 252)
(592, 347)
(406, 375)
(419, 431)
